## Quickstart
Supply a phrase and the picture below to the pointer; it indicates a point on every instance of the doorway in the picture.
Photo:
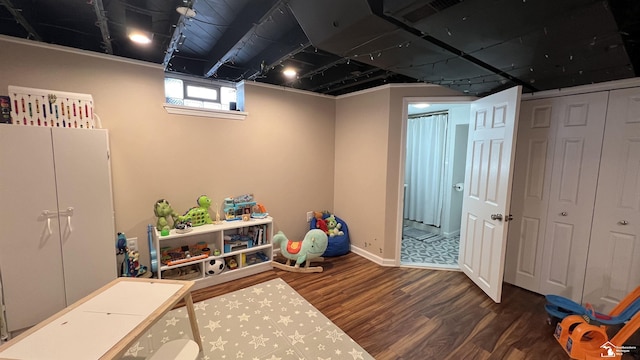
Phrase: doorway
(434, 169)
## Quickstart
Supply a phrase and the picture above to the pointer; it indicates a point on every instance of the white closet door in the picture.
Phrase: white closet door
(530, 199)
(30, 255)
(614, 253)
(576, 163)
(84, 184)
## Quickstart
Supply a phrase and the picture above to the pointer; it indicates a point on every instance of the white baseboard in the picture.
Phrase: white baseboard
(450, 234)
(365, 254)
(372, 257)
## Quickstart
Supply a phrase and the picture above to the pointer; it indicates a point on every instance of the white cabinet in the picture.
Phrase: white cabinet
(560, 231)
(248, 243)
(57, 239)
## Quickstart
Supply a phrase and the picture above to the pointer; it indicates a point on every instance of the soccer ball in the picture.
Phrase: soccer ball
(214, 267)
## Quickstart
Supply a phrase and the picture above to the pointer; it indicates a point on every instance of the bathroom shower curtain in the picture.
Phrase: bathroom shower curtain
(424, 168)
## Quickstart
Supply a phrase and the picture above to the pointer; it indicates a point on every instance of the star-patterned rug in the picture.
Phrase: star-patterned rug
(268, 321)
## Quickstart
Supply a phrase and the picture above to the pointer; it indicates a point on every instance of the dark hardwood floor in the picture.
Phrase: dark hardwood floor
(402, 313)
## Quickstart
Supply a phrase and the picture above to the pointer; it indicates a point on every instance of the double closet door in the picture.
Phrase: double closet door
(571, 153)
(613, 265)
(57, 242)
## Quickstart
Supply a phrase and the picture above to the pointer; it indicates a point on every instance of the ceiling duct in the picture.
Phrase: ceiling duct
(341, 27)
(473, 46)
(351, 29)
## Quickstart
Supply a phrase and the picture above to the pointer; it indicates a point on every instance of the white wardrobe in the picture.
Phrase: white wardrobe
(57, 236)
(576, 197)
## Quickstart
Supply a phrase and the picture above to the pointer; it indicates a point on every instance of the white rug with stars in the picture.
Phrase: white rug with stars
(268, 321)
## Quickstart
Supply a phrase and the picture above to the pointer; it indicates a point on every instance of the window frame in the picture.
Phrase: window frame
(203, 111)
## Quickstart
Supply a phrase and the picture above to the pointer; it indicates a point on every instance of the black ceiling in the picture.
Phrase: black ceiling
(476, 47)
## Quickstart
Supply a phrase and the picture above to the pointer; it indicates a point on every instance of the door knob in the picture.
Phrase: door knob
(496, 217)
(564, 213)
(623, 222)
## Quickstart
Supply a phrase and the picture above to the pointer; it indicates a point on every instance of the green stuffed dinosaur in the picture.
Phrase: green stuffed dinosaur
(199, 215)
(162, 209)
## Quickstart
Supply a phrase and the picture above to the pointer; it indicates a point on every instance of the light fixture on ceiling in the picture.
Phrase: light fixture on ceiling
(289, 72)
(186, 12)
(140, 36)
(139, 27)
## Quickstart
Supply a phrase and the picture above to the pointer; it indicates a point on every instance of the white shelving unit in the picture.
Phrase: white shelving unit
(213, 235)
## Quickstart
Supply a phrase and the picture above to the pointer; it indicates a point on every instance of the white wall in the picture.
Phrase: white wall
(283, 152)
(456, 155)
(295, 151)
(369, 159)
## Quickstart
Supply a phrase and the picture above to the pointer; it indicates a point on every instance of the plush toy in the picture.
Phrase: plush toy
(121, 244)
(162, 209)
(199, 215)
(334, 226)
(302, 251)
(131, 266)
(320, 223)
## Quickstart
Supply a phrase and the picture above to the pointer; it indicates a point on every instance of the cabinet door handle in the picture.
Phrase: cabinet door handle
(47, 215)
(564, 213)
(69, 213)
(69, 223)
(623, 222)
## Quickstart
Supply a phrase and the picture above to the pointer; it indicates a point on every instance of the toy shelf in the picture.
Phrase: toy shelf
(248, 243)
(221, 256)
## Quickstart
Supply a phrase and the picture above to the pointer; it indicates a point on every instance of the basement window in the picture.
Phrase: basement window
(200, 97)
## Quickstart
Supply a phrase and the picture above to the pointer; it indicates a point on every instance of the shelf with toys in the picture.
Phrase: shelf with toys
(214, 252)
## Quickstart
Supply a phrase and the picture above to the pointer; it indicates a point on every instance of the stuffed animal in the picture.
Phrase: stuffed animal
(131, 266)
(162, 209)
(320, 222)
(121, 244)
(302, 251)
(334, 226)
(199, 215)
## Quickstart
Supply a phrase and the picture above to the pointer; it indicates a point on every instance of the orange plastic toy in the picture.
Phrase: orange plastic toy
(584, 341)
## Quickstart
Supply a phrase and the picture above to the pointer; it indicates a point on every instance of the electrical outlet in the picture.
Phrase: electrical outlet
(132, 244)
(309, 216)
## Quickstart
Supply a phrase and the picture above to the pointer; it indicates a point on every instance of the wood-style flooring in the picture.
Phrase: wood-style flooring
(402, 313)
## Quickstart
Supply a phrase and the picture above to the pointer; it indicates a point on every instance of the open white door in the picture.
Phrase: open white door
(487, 193)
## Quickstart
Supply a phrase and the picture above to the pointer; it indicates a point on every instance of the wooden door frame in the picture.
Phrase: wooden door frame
(453, 100)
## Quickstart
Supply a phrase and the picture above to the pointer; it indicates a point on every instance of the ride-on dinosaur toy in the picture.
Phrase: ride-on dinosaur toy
(302, 251)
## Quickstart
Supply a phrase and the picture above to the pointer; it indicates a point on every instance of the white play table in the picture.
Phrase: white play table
(105, 323)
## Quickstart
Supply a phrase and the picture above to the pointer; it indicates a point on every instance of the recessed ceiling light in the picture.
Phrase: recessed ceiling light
(139, 27)
(289, 72)
(140, 37)
(421, 105)
(188, 12)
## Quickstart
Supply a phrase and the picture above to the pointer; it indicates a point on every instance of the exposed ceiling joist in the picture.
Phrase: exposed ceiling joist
(177, 36)
(102, 23)
(253, 14)
(266, 67)
(360, 82)
(475, 47)
(21, 20)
